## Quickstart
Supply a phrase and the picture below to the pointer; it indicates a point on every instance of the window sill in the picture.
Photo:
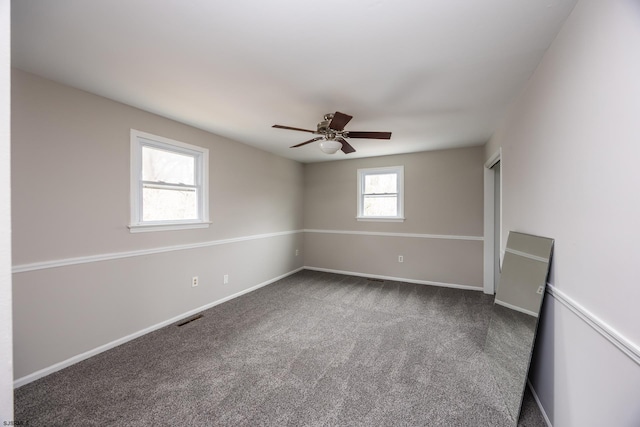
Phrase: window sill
(380, 219)
(143, 228)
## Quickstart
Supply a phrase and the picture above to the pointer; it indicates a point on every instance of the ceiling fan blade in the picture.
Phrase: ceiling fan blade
(369, 135)
(339, 121)
(306, 142)
(346, 147)
(291, 128)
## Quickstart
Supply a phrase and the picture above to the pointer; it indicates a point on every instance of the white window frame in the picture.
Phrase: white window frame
(399, 171)
(201, 155)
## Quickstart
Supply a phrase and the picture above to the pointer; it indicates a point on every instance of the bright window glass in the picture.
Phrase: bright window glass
(162, 204)
(166, 166)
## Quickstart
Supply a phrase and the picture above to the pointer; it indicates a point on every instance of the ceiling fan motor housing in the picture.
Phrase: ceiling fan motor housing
(323, 126)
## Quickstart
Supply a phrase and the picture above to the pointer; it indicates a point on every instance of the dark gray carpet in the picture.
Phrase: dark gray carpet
(314, 349)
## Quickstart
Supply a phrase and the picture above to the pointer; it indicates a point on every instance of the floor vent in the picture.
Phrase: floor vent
(191, 319)
(375, 280)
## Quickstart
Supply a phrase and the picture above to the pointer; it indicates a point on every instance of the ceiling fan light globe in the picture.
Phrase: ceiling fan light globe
(330, 146)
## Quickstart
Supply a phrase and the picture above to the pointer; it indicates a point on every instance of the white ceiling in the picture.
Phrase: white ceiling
(436, 73)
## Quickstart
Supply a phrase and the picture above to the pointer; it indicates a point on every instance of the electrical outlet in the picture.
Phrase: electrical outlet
(194, 281)
(297, 252)
(540, 290)
(225, 279)
(400, 258)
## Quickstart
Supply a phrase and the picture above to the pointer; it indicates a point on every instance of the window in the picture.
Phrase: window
(380, 194)
(168, 184)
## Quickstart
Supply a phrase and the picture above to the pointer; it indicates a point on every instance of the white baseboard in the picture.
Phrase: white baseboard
(535, 396)
(87, 354)
(397, 279)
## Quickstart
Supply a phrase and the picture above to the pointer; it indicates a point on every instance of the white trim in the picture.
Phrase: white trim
(495, 158)
(535, 397)
(623, 343)
(87, 354)
(515, 308)
(527, 255)
(381, 233)
(489, 217)
(380, 219)
(138, 139)
(396, 279)
(399, 171)
(22, 268)
(143, 228)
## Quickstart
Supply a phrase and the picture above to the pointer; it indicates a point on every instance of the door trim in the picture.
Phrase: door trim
(489, 213)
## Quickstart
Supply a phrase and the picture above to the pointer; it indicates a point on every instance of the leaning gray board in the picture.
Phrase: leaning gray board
(524, 273)
(514, 319)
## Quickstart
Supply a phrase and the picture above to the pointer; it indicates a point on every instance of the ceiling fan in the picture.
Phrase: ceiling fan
(333, 134)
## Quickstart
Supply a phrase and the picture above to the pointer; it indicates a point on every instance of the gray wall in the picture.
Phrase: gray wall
(570, 150)
(82, 279)
(443, 198)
